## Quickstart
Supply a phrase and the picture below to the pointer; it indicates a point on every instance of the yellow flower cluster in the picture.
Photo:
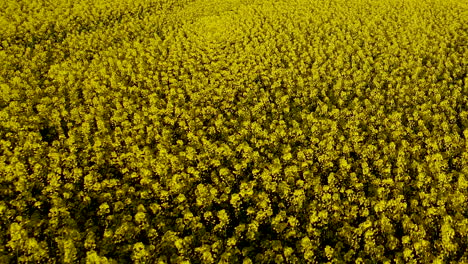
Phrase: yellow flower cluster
(235, 131)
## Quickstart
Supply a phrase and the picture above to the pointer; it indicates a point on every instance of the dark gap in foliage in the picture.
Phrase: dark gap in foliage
(236, 218)
(354, 155)
(399, 230)
(87, 214)
(49, 134)
(321, 257)
(392, 253)
(110, 171)
(455, 164)
(209, 225)
(53, 247)
(369, 189)
(178, 132)
(8, 191)
(44, 208)
(267, 232)
(206, 178)
(80, 94)
(34, 108)
(344, 247)
(409, 191)
(142, 236)
(462, 124)
(323, 179)
(64, 126)
(121, 253)
(462, 243)
(330, 234)
(36, 190)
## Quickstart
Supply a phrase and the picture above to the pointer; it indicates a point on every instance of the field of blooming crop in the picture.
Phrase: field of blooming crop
(234, 131)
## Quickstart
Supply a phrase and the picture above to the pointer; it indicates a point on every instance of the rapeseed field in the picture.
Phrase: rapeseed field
(234, 131)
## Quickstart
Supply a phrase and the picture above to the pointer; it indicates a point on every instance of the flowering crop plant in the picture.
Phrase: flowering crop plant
(234, 131)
